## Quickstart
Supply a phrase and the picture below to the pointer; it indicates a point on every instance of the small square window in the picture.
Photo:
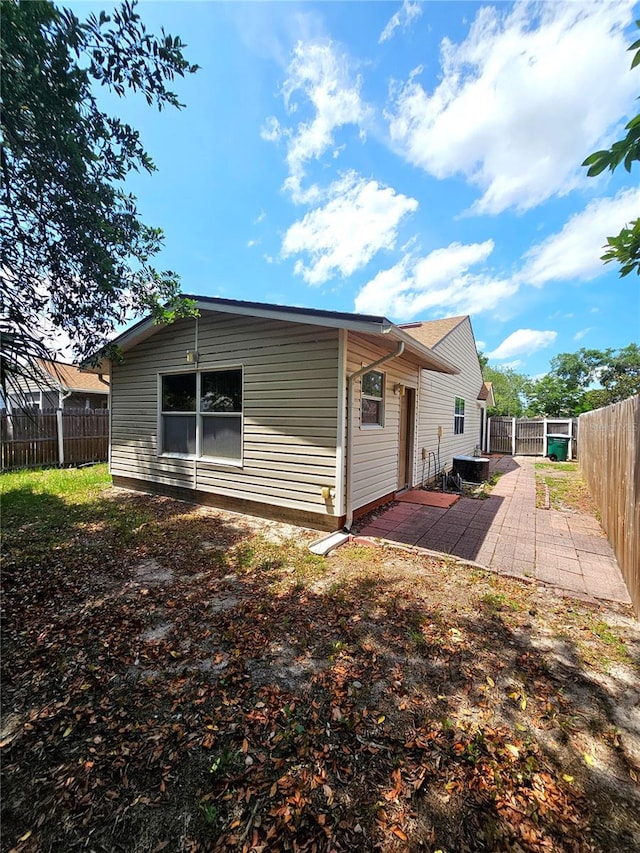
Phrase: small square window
(372, 408)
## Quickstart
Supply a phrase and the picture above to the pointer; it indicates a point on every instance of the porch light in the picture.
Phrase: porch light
(192, 356)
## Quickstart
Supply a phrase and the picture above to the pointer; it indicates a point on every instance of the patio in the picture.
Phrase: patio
(506, 533)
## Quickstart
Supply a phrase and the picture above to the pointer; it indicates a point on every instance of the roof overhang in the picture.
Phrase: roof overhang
(364, 323)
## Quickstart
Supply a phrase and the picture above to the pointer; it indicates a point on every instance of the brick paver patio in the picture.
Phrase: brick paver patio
(508, 534)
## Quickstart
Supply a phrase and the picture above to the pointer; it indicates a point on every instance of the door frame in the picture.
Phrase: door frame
(406, 438)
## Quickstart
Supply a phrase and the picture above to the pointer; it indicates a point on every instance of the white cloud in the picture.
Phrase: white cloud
(360, 218)
(481, 345)
(271, 131)
(439, 282)
(260, 218)
(321, 73)
(407, 13)
(574, 252)
(522, 101)
(580, 335)
(523, 342)
(251, 243)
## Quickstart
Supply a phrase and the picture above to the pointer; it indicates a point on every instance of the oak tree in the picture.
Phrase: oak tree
(76, 257)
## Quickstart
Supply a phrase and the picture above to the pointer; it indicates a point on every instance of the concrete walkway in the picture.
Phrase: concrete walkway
(506, 533)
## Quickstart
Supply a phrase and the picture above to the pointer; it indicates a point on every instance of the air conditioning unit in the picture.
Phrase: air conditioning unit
(473, 469)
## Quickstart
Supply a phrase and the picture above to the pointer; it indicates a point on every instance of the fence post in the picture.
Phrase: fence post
(513, 436)
(545, 427)
(487, 438)
(570, 454)
(60, 437)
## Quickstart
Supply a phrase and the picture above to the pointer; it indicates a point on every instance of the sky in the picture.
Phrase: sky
(412, 160)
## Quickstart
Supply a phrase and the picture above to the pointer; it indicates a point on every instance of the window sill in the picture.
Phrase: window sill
(371, 426)
(210, 460)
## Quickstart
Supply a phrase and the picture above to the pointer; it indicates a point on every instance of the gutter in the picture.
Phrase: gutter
(350, 381)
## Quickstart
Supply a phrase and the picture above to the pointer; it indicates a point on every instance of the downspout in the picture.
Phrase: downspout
(350, 380)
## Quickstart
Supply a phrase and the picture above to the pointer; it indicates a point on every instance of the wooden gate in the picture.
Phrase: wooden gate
(527, 436)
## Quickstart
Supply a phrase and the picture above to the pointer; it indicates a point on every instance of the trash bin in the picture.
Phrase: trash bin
(557, 447)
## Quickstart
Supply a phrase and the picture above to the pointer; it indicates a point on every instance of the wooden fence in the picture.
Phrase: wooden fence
(527, 436)
(610, 463)
(53, 437)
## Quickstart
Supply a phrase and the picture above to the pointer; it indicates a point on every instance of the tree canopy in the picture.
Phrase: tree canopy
(625, 247)
(77, 259)
(576, 382)
(508, 390)
(584, 380)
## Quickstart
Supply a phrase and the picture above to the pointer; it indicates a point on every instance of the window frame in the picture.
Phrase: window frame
(380, 399)
(458, 416)
(199, 456)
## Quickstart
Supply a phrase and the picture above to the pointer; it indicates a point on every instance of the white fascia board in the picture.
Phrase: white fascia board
(143, 330)
(356, 325)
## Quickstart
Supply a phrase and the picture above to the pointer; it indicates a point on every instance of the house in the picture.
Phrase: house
(466, 394)
(304, 415)
(57, 385)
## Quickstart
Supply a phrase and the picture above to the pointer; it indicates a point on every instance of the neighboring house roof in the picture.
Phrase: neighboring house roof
(433, 332)
(71, 378)
(363, 323)
(486, 393)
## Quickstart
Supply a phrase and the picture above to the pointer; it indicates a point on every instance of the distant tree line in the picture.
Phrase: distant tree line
(576, 382)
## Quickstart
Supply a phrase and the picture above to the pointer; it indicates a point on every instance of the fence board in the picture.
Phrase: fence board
(529, 435)
(500, 433)
(30, 439)
(610, 463)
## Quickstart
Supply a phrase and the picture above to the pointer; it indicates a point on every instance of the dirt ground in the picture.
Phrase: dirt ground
(181, 679)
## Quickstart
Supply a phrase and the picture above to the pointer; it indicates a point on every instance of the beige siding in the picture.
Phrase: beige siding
(437, 399)
(375, 450)
(290, 419)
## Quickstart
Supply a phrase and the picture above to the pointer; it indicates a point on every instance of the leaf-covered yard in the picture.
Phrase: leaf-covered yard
(181, 679)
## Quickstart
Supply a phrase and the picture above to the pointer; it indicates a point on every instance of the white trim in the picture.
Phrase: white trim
(198, 457)
(109, 404)
(381, 399)
(343, 336)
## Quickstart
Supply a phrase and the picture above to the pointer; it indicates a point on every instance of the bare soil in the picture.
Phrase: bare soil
(181, 679)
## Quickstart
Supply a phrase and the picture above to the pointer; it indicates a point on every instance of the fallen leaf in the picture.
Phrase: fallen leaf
(490, 681)
(399, 833)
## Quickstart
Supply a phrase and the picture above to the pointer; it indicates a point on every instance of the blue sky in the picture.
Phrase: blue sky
(416, 160)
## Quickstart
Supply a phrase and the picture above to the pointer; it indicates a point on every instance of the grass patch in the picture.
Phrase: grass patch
(498, 601)
(556, 466)
(41, 504)
(567, 489)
